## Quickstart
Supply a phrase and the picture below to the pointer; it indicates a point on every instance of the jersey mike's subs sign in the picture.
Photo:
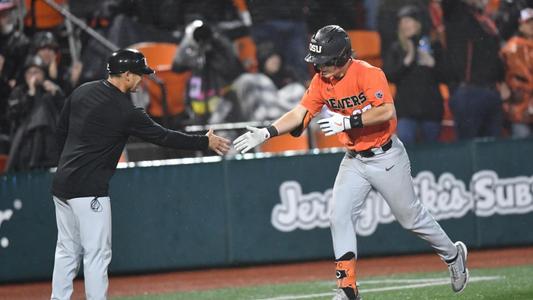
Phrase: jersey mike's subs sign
(446, 197)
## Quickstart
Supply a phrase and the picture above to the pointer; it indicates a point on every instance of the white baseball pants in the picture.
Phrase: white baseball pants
(83, 231)
(389, 174)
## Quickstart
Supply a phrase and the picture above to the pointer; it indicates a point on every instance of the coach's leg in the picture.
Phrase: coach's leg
(94, 215)
(68, 251)
(391, 177)
(349, 192)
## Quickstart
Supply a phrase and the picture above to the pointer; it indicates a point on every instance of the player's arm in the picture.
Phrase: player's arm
(290, 121)
(139, 124)
(379, 114)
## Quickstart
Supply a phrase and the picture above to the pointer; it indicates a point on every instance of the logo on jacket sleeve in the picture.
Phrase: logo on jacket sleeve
(379, 94)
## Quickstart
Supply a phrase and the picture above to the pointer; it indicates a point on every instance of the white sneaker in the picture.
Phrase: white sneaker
(458, 270)
(341, 295)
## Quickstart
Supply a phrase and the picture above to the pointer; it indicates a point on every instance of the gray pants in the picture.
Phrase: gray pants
(389, 174)
(83, 232)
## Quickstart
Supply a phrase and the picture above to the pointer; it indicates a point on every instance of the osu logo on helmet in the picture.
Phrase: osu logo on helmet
(315, 48)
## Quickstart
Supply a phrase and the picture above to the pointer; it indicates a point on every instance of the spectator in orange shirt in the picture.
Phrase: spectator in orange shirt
(518, 57)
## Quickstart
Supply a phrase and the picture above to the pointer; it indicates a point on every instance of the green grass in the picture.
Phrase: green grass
(504, 283)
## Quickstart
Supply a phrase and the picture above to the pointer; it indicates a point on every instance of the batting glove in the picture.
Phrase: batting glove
(254, 136)
(334, 124)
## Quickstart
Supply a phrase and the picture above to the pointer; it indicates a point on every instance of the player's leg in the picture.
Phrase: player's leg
(390, 174)
(68, 251)
(94, 215)
(349, 192)
(391, 177)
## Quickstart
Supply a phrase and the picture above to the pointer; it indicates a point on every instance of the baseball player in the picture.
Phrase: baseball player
(362, 115)
(94, 126)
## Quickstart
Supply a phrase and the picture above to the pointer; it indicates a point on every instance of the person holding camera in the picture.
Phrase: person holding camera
(414, 63)
(33, 112)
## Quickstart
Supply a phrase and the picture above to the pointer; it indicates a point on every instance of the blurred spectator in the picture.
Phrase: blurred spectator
(349, 14)
(518, 57)
(273, 91)
(473, 48)
(271, 63)
(33, 111)
(282, 23)
(415, 65)
(13, 43)
(45, 45)
(13, 49)
(387, 20)
(508, 14)
(214, 65)
(232, 19)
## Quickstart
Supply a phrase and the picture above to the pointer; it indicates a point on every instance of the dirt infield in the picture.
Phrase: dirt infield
(236, 277)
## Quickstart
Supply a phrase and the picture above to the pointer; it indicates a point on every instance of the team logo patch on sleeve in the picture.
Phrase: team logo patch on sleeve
(379, 94)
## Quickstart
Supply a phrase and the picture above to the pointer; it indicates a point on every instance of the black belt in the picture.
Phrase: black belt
(370, 152)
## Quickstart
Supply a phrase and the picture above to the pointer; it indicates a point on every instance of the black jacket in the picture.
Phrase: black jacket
(472, 49)
(418, 94)
(93, 128)
(33, 126)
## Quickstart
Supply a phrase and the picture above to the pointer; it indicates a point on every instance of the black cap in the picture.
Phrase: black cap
(34, 61)
(44, 39)
(410, 11)
(128, 60)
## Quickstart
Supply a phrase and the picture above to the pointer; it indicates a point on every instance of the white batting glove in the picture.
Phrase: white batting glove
(334, 124)
(254, 136)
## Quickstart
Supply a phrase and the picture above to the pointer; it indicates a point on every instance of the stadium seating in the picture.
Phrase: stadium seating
(367, 46)
(45, 16)
(159, 57)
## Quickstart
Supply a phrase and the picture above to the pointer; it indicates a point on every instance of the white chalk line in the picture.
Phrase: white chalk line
(416, 283)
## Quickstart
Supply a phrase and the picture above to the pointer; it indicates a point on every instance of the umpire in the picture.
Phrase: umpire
(95, 123)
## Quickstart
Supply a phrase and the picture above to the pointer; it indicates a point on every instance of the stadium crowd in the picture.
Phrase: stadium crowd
(239, 61)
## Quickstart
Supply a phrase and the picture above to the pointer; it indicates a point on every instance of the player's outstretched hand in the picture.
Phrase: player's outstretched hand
(217, 143)
(334, 124)
(254, 136)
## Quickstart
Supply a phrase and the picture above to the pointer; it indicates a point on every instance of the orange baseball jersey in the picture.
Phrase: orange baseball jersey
(362, 87)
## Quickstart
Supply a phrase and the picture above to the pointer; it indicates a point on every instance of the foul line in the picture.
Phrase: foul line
(421, 283)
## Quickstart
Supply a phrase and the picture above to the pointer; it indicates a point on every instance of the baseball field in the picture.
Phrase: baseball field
(495, 274)
(498, 283)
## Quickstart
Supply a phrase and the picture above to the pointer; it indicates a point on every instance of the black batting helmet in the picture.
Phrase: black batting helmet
(128, 60)
(330, 45)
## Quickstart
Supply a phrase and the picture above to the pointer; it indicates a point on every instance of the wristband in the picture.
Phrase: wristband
(272, 131)
(356, 121)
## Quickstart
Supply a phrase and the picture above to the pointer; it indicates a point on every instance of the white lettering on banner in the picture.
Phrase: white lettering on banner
(6, 216)
(445, 198)
(501, 196)
(300, 211)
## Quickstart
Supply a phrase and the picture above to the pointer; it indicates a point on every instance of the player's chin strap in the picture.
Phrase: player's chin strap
(345, 273)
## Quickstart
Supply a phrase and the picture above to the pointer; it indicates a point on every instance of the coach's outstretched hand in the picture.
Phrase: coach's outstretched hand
(217, 143)
(254, 136)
